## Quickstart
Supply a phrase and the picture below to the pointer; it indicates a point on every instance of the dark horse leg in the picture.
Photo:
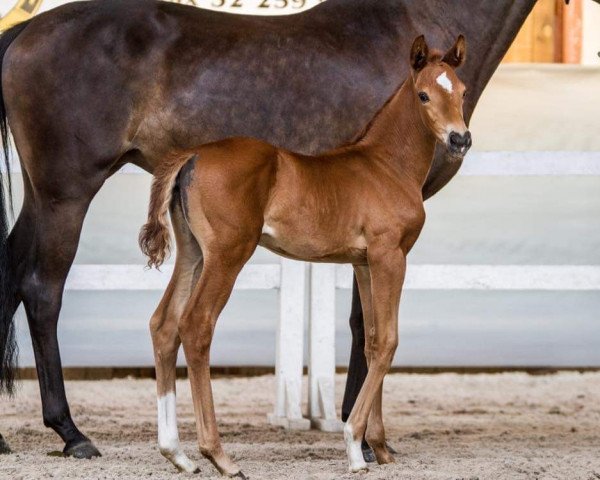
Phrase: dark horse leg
(357, 368)
(4, 448)
(43, 244)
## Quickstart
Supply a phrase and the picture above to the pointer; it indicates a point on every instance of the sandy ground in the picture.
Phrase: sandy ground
(505, 426)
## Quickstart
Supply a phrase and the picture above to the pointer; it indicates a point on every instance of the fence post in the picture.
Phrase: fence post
(321, 348)
(289, 359)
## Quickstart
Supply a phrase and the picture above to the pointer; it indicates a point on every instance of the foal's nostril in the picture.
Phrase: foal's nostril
(456, 140)
(460, 142)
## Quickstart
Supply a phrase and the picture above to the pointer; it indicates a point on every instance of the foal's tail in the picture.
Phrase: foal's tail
(155, 238)
(8, 344)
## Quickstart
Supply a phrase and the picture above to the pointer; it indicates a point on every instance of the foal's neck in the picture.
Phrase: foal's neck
(398, 136)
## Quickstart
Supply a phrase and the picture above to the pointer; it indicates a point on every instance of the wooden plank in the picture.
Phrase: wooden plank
(137, 277)
(289, 351)
(321, 349)
(531, 164)
(493, 277)
(499, 163)
(535, 42)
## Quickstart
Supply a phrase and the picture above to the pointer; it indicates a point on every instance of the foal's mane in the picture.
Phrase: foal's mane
(435, 56)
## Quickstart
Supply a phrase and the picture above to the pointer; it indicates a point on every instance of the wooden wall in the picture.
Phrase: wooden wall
(551, 34)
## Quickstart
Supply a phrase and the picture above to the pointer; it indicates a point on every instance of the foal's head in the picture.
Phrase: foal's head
(440, 93)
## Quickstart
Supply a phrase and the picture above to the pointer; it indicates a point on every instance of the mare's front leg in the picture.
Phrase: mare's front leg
(387, 268)
(196, 328)
(165, 339)
(357, 368)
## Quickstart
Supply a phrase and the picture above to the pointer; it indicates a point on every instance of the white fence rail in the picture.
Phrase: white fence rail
(485, 164)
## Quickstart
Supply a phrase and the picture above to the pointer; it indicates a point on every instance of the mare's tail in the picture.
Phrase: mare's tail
(155, 238)
(8, 344)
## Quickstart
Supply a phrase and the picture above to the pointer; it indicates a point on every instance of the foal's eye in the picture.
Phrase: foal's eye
(423, 97)
(464, 94)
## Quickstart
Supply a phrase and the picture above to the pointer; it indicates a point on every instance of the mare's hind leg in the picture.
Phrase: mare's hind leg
(222, 265)
(4, 448)
(43, 244)
(165, 339)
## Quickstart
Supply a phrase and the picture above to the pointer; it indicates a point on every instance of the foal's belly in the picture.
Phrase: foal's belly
(314, 247)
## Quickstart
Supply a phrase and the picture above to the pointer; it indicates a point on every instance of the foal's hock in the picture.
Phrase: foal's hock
(359, 204)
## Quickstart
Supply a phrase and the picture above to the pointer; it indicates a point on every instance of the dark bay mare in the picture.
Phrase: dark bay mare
(91, 86)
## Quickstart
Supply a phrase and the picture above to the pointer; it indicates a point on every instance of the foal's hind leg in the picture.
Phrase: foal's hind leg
(221, 268)
(165, 339)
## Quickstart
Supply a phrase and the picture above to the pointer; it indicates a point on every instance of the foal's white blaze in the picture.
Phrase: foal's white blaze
(168, 437)
(356, 460)
(444, 82)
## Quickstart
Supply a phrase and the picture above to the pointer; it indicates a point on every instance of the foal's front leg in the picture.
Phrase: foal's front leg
(375, 433)
(387, 268)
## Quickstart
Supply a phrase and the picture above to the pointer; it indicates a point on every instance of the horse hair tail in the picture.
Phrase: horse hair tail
(155, 238)
(8, 343)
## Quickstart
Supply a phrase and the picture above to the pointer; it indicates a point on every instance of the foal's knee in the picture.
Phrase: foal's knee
(385, 352)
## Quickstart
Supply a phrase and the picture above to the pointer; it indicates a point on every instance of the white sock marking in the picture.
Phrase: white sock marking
(444, 82)
(168, 436)
(356, 461)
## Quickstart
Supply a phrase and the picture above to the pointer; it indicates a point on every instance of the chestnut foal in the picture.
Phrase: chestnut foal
(360, 204)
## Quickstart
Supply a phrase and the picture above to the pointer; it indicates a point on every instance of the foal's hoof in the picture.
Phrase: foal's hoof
(241, 475)
(4, 448)
(85, 449)
(359, 469)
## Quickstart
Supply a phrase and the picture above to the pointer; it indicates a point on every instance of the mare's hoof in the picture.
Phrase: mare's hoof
(85, 449)
(241, 475)
(197, 470)
(368, 453)
(4, 448)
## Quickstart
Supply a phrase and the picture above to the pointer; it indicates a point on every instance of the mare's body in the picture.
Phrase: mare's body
(91, 86)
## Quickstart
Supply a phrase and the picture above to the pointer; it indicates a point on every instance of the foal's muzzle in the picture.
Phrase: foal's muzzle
(459, 144)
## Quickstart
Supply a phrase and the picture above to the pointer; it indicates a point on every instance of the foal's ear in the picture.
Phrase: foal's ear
(457, 55)
(419, 53)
